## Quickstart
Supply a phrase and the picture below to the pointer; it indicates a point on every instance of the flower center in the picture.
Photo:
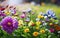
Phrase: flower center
(9, 23)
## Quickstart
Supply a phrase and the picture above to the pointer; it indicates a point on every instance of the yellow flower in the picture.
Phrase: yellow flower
(35, 34)
(30, 23)
(40, 16)
(14, 17)
(38, 23)
(51, 24)
(26, 30)
(42, 31)
(20, 22)
(7, 12)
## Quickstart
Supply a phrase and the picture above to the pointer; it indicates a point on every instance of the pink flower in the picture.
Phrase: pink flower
(23, 16)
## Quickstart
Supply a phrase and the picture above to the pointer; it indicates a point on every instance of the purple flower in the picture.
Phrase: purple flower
(2, 14)
(14, 11)
(47, 20)
(9, 24)
(51, 30)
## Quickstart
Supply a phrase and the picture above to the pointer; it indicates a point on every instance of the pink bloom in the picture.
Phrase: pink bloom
(23, 16)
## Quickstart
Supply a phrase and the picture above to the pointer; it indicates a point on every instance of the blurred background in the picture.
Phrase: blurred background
(57, 2)
(45, 1)
(36, 5)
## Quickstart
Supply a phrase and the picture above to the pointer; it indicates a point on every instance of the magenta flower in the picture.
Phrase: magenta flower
(51, 30)
(2, 14)
(9, 24)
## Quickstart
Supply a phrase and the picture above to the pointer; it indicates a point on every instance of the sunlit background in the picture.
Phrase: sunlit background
(41, 5)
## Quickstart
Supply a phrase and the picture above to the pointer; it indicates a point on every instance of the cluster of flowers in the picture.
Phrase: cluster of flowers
(29, 24)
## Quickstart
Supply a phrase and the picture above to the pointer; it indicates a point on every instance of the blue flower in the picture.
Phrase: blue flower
(51, 14)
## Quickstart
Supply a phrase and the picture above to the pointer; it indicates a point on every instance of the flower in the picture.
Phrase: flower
(57, 28)
(51, 30)
(35, 33)
(51, 24)
(7, 12)
(44, 23)
(38, 23)
(13, 11)
(2, 8)
(50, 13)
(47, 20)
(27, 19)
(42, 31)
(26, 30)
(31, 23)
(45, 17)
(23, 16)
(9, 24)
(40, 16)
(20, 22)
(2, 14)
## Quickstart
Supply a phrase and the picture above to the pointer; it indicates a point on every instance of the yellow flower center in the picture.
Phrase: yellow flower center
(26, 30)
(35, 34)
(42, 31)
(9, 23)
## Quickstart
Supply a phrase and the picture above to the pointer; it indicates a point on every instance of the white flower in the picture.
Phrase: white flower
(45, 17)
(44, 23)
(27, 19)
(49, 15)
(37, 19)
(58, 31)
